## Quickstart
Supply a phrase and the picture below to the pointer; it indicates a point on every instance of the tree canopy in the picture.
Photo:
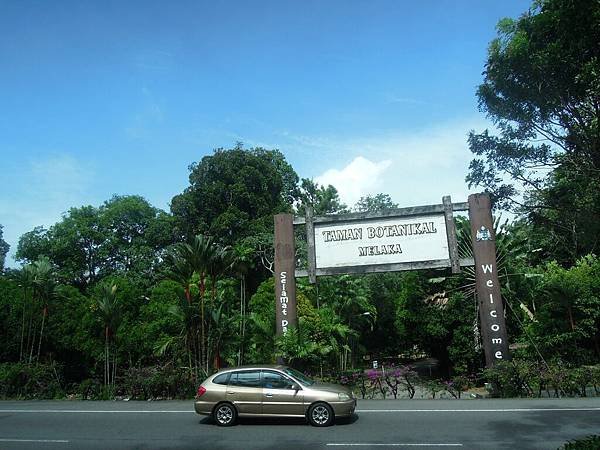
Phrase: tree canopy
(374, 203)
(323, 199)
(125, 234)
(542, 92)
(234, 193)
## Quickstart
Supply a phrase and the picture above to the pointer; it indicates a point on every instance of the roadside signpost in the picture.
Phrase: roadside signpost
(421, 237)
(491, 310)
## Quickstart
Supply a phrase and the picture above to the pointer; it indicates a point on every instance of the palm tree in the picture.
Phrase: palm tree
(110, 314)
(221, 262)
(243, 263)
(200, 253)
(181, 272)
(186, 314)
(261, 338)
(45, 289)
(204, 258)
(298, 347)
(222, 325)
(352, 304)
(335, 334)
(26, 276)
(39, 280)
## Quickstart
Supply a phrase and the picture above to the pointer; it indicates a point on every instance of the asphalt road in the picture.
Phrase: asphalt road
(378, 424)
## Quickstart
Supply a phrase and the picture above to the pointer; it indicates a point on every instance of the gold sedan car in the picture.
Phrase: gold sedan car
(271, 391)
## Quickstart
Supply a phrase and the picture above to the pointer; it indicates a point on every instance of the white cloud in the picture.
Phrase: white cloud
(357, 179)
(414, 168)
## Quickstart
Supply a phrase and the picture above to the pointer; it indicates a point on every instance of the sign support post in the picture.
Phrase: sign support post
(285, 279)
(491, 310)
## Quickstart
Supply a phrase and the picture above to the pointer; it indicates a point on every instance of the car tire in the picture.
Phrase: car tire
(225, 414)
(320, 415)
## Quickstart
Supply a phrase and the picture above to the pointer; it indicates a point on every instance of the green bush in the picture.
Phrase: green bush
(156, 383)
(45, 381)
(89, 389)
(587, 443)
(31, 381)
(525, 378)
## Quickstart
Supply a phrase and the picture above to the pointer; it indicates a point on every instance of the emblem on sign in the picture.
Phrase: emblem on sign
(483, 234)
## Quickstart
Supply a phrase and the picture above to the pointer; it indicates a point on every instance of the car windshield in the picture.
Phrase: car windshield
(299, 376)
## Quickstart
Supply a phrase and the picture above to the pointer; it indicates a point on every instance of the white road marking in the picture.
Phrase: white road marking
(92, 411)
(187, 411)
(59, 441)
(476, 410)
(366, 444)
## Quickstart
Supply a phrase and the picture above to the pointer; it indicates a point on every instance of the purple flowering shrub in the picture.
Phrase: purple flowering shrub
(356, 380)
(377, 385)
(458, 384)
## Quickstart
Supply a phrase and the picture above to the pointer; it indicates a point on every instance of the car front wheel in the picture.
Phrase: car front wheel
(320, 415)
(225, 415)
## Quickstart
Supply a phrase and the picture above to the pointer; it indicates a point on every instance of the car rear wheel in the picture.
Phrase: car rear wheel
(225, 414)
(320, 415)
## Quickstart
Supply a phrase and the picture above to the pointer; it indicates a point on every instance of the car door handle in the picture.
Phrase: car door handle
(268, 395)
(230, 393)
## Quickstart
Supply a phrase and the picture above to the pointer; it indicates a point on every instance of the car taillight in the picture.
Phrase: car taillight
(201, 391)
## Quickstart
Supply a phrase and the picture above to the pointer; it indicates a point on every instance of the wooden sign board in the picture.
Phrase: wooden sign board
(412, 238)
(421, 237)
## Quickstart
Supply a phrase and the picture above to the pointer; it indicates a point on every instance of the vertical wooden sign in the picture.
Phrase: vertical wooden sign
(285, 280)
(491, 310)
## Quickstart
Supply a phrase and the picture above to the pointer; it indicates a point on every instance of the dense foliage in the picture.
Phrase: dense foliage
(542, 92)
(124, 299)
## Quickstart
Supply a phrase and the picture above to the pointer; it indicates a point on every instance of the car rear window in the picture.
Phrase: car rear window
(247, 379)
(222, 379)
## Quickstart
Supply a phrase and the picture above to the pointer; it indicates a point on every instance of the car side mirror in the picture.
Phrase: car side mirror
(296, 386)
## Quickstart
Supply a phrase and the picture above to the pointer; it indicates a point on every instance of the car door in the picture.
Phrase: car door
(279, 395)
(245, 391)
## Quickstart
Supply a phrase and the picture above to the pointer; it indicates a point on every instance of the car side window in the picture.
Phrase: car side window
(222, 379)
(274, 380)
(246, 379)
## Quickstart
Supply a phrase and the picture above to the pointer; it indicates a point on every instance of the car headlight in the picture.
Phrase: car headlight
(343, 396)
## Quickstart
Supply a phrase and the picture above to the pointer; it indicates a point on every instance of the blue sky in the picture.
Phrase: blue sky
(110, 97)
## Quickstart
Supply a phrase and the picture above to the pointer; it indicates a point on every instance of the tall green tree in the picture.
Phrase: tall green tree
(374, 203)
(204, 261)
(136, 233)
(435, 316)
(109, 311)
(566, 321)
(45, 290)
(349, 297)
(323, 199)
(33, 244)
(4, 247)
(542, 92)
(13, 317)
(124, 235)
(234, 194)
(39, 288)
